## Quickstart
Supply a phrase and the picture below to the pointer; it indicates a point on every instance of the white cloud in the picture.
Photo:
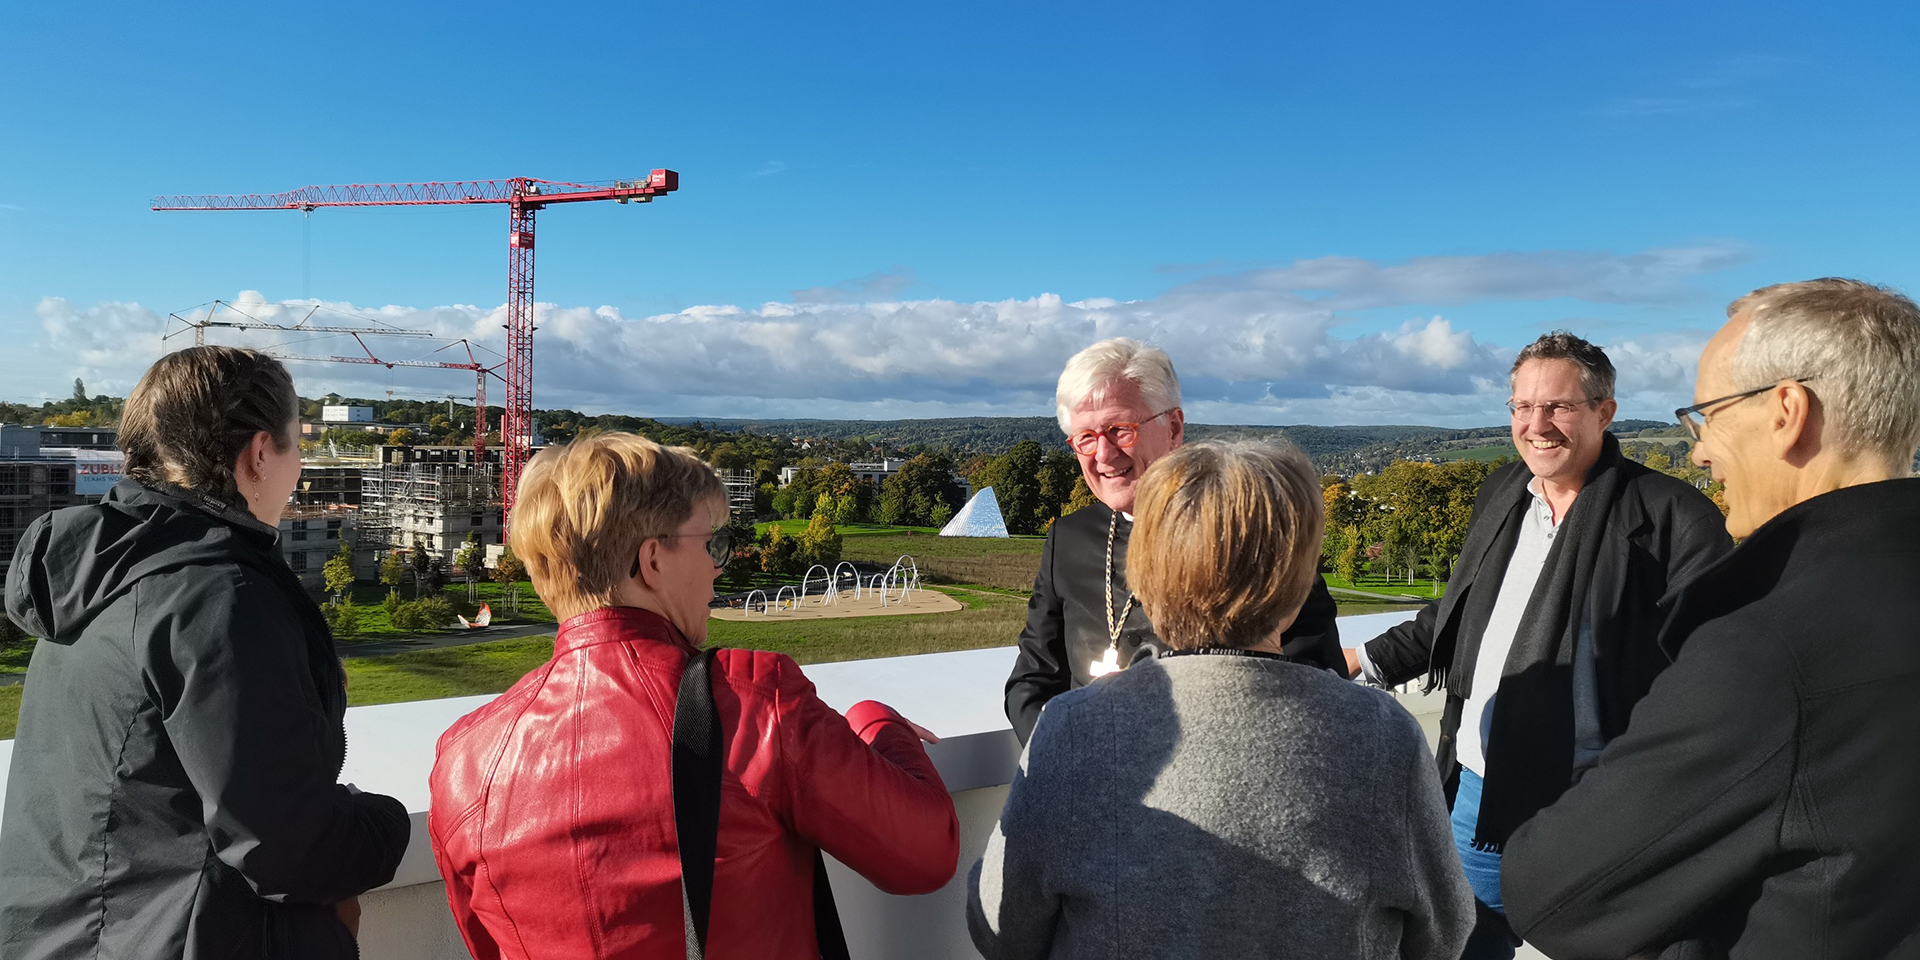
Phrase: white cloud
(1259, 346)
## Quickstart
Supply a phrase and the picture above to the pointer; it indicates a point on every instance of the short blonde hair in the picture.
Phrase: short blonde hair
(583, 509)
(1091, 371)
(1227, 542)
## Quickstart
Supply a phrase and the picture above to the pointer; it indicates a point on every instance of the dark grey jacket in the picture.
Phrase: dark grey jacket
(1765, 800)
(1661, 532)
(173, 787)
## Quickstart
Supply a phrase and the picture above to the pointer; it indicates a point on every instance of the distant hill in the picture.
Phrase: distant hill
(1342, 449)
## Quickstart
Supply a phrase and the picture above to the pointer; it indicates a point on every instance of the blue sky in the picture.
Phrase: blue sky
(1328, 214)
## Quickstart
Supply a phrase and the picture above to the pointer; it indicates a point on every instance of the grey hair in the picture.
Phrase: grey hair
(1092, 370)
(1861, 344)
(1596, 371)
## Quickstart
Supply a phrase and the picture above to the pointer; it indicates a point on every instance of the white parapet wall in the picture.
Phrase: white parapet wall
(956, 695)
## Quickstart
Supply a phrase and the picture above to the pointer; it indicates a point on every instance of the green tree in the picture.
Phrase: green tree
(846, 509)
(836, 479)
(780, 552)
(1015, 477)
(1082, 496)
(819, 543)
(729, 456)
(1347, 565)
(422, 563)
(1059, 480)
(472, 558)
(343, 617)
(400, 437)
(337, 572)
(79, 391)
(392, 568)
(925, 486)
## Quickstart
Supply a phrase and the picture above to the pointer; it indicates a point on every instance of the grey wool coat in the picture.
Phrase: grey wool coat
(1222, 806)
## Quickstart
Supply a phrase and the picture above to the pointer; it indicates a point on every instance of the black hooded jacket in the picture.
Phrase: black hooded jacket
(173, 790)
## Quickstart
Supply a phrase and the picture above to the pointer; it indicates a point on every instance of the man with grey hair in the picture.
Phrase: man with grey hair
(1544, 640)
(1763, 800)
(1118, 402)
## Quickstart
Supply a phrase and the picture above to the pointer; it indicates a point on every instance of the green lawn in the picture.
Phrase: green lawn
(9, 710)
(991, 619)
(1008, 564)
(1423, 588)
(14, 655)
(795, 527)
(374, 625)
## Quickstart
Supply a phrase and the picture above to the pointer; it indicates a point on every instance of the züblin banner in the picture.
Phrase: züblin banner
(96, 471)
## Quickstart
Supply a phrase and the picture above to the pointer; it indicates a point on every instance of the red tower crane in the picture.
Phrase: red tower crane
(523, 196)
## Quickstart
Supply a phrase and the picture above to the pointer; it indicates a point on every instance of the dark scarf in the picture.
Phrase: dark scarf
(1545, 724)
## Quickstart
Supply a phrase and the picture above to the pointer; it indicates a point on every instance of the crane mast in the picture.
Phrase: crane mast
(523, 197)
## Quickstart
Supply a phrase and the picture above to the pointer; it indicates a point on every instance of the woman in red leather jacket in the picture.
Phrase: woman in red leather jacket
(552, 816)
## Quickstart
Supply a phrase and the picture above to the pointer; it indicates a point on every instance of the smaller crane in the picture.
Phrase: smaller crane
(200, 326)
(480, 374)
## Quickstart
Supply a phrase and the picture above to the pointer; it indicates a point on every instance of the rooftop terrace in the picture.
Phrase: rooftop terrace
(956, 695)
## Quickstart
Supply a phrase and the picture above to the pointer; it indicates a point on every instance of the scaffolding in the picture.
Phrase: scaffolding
(742, 486)
(435, 504)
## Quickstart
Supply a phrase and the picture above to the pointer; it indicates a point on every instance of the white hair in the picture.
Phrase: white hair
(1858, 343)
(1093, 370)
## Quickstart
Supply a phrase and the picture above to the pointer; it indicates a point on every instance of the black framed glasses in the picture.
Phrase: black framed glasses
(1123, 435)
(1687, 415)
(719, 547)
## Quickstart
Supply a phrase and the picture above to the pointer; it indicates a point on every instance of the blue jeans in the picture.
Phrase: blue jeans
(1492, 938)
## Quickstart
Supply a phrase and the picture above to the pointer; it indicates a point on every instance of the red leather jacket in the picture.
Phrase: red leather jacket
(552, 816)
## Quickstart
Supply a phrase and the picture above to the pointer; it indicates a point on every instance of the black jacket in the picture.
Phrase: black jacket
(173, 791)
(1660, 533)
(1066, 633)
(1766, 797)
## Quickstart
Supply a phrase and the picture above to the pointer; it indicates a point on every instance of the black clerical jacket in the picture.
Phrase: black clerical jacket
(1066, 633)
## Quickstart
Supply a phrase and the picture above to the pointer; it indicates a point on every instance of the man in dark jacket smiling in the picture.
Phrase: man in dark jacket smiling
(1763, 800)
(173, 788)
(1544, 641)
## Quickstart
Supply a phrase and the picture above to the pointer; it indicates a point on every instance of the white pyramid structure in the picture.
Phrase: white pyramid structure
(979, 518)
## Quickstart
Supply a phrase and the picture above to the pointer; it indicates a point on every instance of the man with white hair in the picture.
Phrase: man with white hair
(1763, 801)
(1118, 402)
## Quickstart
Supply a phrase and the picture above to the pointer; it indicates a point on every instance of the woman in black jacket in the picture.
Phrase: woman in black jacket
(174, 783)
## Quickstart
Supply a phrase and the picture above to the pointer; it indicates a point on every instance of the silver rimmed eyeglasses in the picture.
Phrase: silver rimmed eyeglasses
(1687, 415)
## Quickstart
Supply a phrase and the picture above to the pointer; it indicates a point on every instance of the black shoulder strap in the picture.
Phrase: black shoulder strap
(696, 795)
(696, 815)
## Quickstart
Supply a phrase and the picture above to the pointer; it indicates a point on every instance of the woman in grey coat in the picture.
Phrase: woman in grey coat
(1191, 806)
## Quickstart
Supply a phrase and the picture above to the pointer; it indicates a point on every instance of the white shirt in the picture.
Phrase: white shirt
(1537, 529)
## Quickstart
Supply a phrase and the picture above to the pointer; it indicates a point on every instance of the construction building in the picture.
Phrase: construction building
(329, 483)
(742, 487)
(311, 535)
(434, 504)
(43, 469)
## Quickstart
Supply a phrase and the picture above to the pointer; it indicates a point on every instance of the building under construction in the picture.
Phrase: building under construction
(434, 504)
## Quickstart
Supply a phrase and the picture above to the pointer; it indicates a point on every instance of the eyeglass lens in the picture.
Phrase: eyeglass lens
(1122, 435)
(720, 546)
